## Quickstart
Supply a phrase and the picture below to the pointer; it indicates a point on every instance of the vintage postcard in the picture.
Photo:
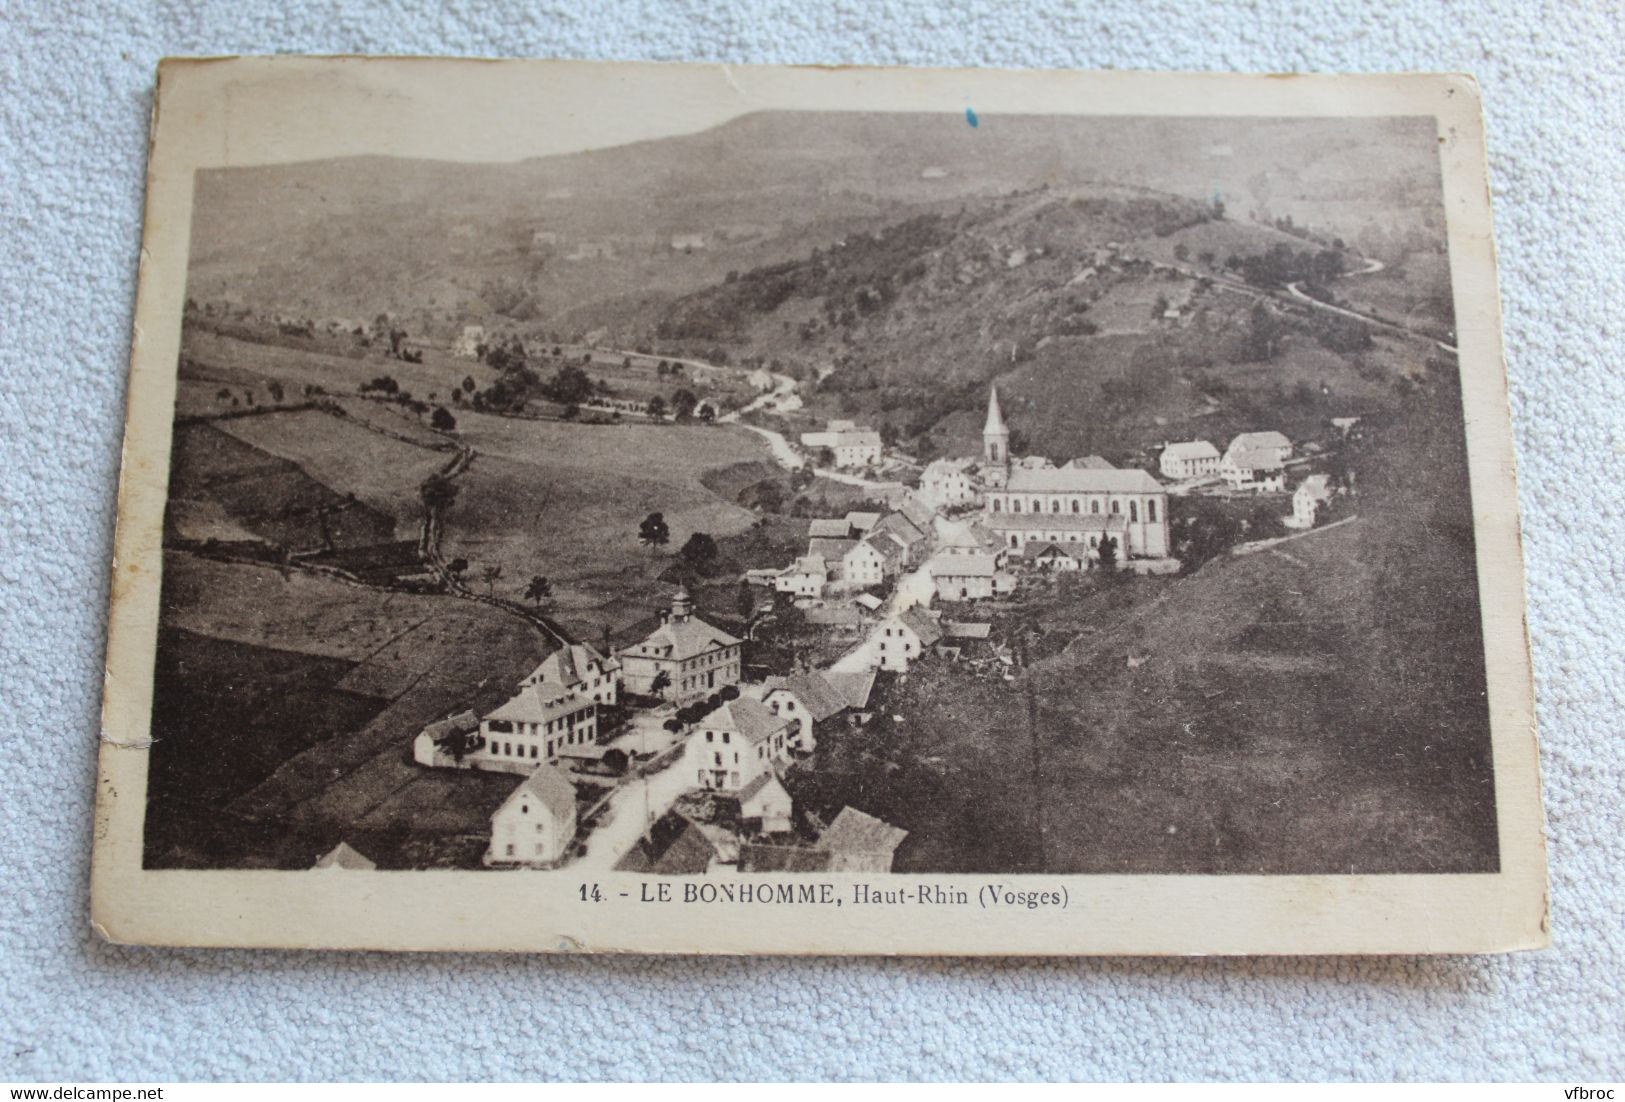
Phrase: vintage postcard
(663, 508)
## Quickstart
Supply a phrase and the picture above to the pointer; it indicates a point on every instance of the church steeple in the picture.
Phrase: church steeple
(995, 434)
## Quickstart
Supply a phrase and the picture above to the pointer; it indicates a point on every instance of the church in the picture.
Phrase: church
(1031, 501)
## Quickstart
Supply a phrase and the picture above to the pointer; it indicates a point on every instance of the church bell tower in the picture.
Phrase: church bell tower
(995, 442)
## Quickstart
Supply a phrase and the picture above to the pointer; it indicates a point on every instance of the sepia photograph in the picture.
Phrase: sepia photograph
(886, 501)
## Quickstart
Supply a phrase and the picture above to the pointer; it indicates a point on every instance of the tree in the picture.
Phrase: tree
(437, 493)
(442, 420)
(489, 575)
(1264, 332)
(457, 567)
(745, 601)
(653, 533)
(468, 383)
(661, 682)
(1108, 554)
(683, 402)
(700, 552)
(539, 590)
(657, 407)
(276, 391)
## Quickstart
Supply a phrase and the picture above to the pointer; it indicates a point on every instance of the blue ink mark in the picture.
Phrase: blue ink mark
(970, 117)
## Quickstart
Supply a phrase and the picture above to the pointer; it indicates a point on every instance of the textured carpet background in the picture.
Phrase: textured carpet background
(77, 82)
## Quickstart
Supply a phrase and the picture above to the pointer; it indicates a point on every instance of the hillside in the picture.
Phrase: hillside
(606, 237)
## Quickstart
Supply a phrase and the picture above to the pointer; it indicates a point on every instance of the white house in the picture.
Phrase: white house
(579, 669)
(902, 639)
(737, 742)
(1307, 499)
(1270, 442)
(533, 726)
(1056, 557)
(766, 800)
(696, 658)
(1259, 470)
(850, 445)
(969, 577)
(468, 345)
(1188, 459)
(947, 483)
(806, 577)
(865, 564)
(808, 699)
(536, 824)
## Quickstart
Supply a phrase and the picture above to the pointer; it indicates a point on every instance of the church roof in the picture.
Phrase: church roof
(995, 417)
(1058, 522)
(1075, 480)
(1091, 463)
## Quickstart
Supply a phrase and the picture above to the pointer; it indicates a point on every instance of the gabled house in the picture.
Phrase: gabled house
(1311, 494)
(1188, 459)
(695, 657)
(1088, 463)
(737, 742)
(446, 741)
(867, 563)
(536, 824)
(970, 577)
(673, 846)
(343, 856)
(580, 669)
(806, 577)
(902, 639)
(905, 533)
(857, 842)
(1056, 557)
(1258, 470)
(765, 802)
(1270, 441)
(810, 699)
(534, 725)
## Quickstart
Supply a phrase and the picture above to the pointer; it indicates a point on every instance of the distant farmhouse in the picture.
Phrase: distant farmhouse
(851, 446)
(948, 483)
(696, 658)
(1028, 501)
(1311, 494)
(1255, 461)
(468, 345)
(1189, 459)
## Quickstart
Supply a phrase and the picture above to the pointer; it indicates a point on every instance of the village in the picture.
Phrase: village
(664, 756)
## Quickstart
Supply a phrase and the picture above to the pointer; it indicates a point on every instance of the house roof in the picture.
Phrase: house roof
(747, 718)
(830, 550)
(921, 625)
(566, 666)
(1090, 463)
(1190, 449)
(672, 847)
(342, 856)
(900, 528)
(827, 528)
(964, 566)
(862, 521)
(756, 857)
(957, 630)
(855, 832)
(548, 787)
(1051, 550)
(759, 785)
(1059, 522)
(1254, 459)
(815, 693)
(1077, 480)
(1317, 486)
(1267, 439)
(855, 438)
(538, 704)
(868, 601)
(853, 687)
(458, 724)
(685, 638)
(808, 564)
(837, 616)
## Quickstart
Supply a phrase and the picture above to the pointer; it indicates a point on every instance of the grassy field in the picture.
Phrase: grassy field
(293, 701)
(382, 471)
(565, 500)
